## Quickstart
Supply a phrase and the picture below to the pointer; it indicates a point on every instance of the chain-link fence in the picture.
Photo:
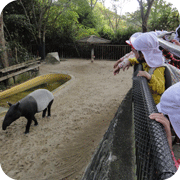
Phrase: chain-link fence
(153, 156)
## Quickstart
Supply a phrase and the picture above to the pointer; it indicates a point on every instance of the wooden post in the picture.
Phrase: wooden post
(16, 55)
(102, 52)
(92, 53)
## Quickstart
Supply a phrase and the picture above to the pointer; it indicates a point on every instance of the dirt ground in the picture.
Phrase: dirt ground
(61, 146)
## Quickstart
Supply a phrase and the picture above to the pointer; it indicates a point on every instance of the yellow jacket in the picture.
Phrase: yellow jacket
(157, 82)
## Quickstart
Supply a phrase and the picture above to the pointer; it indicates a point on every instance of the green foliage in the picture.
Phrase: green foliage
(2, 86)
(123, 34)
(84, 32)
(85, 13)
(105, 32)
(22, 53)
(18, 27)
(163, 16)
(66, 21)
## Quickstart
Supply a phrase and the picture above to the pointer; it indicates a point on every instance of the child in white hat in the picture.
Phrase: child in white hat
(148, 45)
(146, 49)
(177, 35)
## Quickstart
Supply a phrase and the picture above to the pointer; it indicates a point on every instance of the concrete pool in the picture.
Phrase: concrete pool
(48, 81)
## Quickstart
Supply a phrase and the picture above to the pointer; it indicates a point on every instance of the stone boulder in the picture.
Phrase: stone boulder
(52, 58)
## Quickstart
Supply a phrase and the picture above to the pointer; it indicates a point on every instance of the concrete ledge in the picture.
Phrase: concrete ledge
(114, 159)
(32, 83)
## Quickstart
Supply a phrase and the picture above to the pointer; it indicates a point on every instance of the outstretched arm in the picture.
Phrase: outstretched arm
(128, 55)
(124, 65)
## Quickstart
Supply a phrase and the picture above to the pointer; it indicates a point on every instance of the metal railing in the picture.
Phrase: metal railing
(153, 156)
(83, 50)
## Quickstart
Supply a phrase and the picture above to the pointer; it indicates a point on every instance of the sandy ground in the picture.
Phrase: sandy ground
(61, 146)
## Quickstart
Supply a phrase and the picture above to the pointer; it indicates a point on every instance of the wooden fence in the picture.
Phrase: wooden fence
(82, 50)
(15, 70)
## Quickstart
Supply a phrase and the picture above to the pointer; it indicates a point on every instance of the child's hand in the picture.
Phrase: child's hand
(116, 70)
(125, 64)
(159, 117)
(176, 42)
(144, 74)
(117, 62)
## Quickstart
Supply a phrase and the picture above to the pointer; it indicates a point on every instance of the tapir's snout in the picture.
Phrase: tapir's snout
(4, 127)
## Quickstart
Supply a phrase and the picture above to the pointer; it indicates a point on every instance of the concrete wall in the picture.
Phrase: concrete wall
(114, 159)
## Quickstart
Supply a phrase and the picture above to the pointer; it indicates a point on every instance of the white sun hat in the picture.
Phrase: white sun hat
(170, 105)
(133, 37)
(148, 44)
(158, 32)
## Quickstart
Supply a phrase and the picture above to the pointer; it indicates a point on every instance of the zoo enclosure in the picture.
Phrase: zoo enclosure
(153, 156)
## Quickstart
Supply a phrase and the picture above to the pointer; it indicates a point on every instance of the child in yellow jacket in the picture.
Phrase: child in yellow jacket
(146, 49)
(156, 81)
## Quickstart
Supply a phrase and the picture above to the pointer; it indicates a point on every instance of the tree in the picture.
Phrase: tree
(145, 11)
(114, 14)
(163, 16)
(35, 21)
(93, 4)
(38, 14)
(85, 11)
(3, 52)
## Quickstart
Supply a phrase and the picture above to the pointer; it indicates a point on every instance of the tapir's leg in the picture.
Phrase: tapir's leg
(28, 125)
(35, 121)
(44, 113)
(49, 108)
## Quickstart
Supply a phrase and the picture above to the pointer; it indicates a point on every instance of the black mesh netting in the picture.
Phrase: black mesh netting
(153, 155)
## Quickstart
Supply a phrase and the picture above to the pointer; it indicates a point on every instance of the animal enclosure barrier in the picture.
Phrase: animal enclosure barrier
(82, 50)
(153, 156)
(15, 70)
(111, 52)
(114, 158)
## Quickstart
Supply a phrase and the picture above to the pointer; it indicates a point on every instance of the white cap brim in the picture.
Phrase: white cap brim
(158, 107)
(128, 42)
(174, 119)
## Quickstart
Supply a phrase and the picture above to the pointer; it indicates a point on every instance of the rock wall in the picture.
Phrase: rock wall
(114, 159)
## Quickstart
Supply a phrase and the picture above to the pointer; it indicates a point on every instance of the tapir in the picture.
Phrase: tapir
(37, 101)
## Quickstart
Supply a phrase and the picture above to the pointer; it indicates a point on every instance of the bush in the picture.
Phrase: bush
(122, 35)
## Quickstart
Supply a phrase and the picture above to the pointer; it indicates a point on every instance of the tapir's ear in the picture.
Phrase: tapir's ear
(9, 104)
(18, 103)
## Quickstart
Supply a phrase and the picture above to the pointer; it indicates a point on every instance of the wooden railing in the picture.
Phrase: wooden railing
(83, 50)
(17, 69)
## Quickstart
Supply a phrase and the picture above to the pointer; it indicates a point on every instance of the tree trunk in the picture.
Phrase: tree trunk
(145, 15)
(40, 44)
(43, 45)
(3, 52)
(144, 26)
